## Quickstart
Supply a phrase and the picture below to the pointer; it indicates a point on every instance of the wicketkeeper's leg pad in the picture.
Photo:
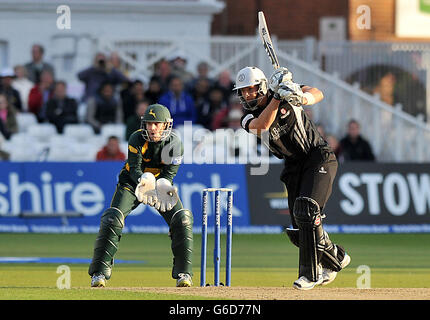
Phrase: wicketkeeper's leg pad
(106, 244)
(181, 233)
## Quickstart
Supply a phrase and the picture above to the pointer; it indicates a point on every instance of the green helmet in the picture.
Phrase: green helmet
(156, 113)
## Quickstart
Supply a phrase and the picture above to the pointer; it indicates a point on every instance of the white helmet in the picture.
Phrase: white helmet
(247, 77)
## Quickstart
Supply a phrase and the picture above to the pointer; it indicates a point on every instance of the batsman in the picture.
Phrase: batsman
(273, 112)
(154, 156)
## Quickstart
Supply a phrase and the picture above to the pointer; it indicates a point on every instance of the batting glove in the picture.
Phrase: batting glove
(290, 92)
(281, 75)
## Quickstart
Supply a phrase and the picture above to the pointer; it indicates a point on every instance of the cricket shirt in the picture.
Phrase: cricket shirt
(292, 134)
(161, 158)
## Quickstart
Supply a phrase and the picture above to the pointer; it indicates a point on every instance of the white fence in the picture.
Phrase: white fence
(394, 135)
(368, 62)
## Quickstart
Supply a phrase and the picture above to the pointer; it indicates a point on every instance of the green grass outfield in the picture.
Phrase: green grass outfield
(395, 261)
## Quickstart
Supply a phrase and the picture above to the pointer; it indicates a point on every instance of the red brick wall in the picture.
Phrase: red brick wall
(382, 20)
(288, 19)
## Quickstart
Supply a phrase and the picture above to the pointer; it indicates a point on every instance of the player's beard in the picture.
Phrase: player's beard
(254, 103)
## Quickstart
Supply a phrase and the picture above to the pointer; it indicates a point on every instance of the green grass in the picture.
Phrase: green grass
(395, 261)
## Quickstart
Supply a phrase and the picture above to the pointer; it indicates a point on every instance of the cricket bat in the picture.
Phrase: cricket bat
(267, 41)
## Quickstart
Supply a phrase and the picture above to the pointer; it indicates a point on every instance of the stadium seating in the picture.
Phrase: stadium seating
(114, 129)
(25, 147)
(42, 131)
(80, 131)
(41, 142)
(25, 120)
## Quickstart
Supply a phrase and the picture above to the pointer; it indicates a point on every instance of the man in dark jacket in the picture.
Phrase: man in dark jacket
(99, 73)
(133, 122)
(61, 109)
(37, 64)
(354, 146)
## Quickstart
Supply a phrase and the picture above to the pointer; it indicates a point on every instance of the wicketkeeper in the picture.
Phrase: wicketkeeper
(273, 111)
(154, 156)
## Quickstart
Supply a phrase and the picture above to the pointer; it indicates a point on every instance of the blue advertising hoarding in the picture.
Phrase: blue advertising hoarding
(366, 198)
(87, 188)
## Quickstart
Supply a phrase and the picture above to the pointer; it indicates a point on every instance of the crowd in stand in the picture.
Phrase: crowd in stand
(110, 96)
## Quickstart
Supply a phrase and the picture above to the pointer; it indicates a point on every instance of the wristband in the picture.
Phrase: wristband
(309, 98)
(277, 97)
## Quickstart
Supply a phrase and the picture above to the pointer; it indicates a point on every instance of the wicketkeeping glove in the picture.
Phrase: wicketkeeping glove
(279, 76)
(146, 189)
(167, 195)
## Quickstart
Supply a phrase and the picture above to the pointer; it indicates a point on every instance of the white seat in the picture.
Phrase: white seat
(25, 120)
(22, 139)
(113, 129)
(61, 139)
(83, 152)
(79, 131)
(23, 155)
(42, 131)
(60, 153)
(6, 145)
(124, 147)
(97, 141)
(28, 152)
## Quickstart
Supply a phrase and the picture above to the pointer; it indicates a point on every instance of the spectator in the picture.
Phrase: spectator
(40, 95)
(4, 156)
(8, 121)
(335, 146)
(23, 85)
(4, 134)
(131, 97)
(220, 119)
(115, 62)
(200, 94)
(111, 151)
(233, 119)
(163, 74)
(101, 72)
(179, 103)
(133, 122)
(154, 91)
(354, 147)
(206, 111)
(200, 91)
(202, 73)
(61, 109)
(103, 108)
(179, 62)
(7, 76)
(37, 65)
(225, 84)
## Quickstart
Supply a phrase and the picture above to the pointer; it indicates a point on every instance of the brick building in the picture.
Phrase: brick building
(290, 19)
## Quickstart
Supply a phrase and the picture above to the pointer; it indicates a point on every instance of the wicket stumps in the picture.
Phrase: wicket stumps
(217, 246)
